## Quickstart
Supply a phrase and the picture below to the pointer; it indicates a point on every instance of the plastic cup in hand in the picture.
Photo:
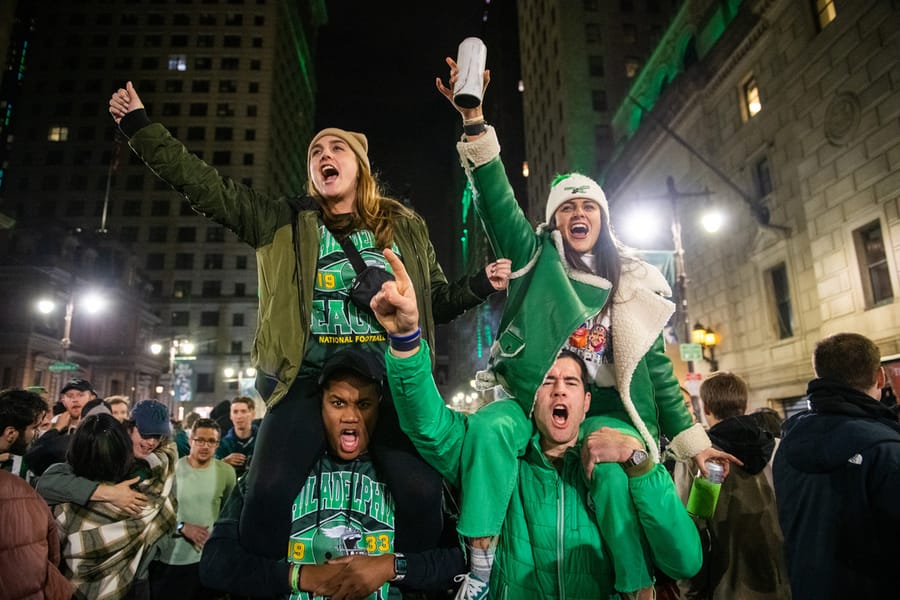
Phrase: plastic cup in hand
(705, 492)
(471, 59)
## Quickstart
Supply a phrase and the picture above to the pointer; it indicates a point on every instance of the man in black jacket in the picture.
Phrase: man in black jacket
(837, 478)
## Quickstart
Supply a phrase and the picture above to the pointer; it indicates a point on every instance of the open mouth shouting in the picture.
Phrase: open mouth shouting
(560, 415)
(329, 173)
(579, 231)
(349, 440)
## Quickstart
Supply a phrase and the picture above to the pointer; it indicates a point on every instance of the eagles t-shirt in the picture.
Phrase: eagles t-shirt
(592, 341)
(342, 510)
(336, 321)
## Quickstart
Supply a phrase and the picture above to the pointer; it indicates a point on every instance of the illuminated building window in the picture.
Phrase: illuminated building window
(632, 66)
(178, 62)
(58, 134)
(182, 288)
(825, 12)
(750, 98)
(873, 265)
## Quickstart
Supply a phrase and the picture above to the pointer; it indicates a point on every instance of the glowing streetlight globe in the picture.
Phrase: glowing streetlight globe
(45, 307)
(712, 221)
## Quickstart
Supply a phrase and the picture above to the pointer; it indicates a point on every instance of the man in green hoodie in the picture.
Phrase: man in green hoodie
(550, 544)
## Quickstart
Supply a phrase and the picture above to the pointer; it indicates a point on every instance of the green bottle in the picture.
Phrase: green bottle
(705, 491)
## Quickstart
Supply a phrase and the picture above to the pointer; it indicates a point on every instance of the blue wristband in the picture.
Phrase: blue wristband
(404, 343)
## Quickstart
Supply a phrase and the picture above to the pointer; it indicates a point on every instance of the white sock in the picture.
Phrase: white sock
(481, 561)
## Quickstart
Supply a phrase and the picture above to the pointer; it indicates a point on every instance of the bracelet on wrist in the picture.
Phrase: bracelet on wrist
(295, 577)
(475, 128)
(404, 343)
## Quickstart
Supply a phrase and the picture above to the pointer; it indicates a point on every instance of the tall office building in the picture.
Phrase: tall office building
(578, 61)
(235, 81)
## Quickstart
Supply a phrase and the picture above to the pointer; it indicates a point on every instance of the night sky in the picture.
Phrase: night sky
(376, 64)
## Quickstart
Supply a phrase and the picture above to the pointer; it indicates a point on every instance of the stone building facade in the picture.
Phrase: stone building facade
(789, 112)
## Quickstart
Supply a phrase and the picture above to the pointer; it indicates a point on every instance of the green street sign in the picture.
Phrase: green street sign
(691, 352)
(60, 366)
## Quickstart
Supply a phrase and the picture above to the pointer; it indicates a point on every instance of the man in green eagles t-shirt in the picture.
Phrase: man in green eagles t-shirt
(342, 521)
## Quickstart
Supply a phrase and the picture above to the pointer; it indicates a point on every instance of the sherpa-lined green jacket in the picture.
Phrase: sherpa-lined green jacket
(547, 301)
(550, 545)
(287, 245)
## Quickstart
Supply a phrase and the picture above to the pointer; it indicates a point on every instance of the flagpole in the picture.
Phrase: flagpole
(113, 165)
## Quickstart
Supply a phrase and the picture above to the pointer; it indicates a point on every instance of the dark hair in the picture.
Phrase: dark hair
(585, 377)
(847, 358)
(20, 408)
(768, 419)
(724, 394)
(608, 251)
(206, 423)
(101, 450)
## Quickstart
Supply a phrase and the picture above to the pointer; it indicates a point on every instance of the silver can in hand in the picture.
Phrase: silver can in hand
(471, 60)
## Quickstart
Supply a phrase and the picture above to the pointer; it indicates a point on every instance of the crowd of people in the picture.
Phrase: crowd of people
(360, 482)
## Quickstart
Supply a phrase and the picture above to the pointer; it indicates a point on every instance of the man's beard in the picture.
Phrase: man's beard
(20, 445)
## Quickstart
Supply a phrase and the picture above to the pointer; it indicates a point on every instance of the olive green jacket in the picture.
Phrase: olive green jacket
(286, 241)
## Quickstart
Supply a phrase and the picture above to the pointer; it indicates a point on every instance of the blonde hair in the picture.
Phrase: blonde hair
(372, 210)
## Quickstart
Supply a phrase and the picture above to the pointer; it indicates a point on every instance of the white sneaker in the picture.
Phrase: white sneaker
(472, 587)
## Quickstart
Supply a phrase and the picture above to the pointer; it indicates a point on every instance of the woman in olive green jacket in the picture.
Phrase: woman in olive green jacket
(305, 310)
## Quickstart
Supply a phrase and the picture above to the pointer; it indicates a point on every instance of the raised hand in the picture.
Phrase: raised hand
(498, 273)
(447, 90)
(395, 304)
(123, 101)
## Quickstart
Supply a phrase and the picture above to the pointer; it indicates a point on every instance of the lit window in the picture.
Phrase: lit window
(632, 66)
(825, 12)
(177, 62)
(873, 265)
(58, 134)
(751, 98)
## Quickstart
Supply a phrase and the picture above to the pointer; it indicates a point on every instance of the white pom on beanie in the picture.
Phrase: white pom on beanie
(574, 185)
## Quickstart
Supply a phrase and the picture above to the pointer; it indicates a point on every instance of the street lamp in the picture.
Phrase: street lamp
(91, 302)
(708, 340)
(176, 346)
(240, 374)
(711, 221)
